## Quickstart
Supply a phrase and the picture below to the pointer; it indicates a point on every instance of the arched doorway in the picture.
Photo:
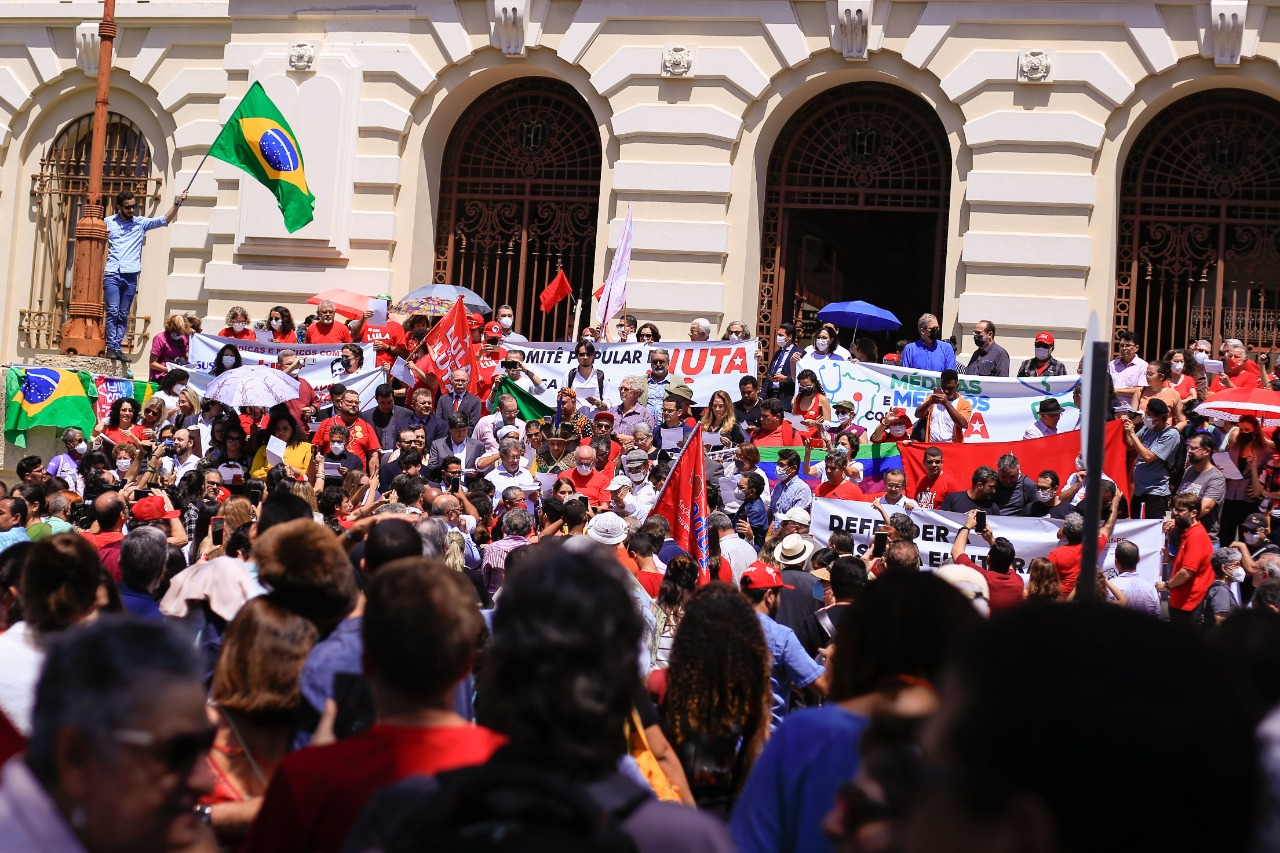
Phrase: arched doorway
(855, 208)
(59, 191)
(520, 189)
(1199, 244)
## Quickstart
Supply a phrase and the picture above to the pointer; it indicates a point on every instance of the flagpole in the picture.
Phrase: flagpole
(577, 318)
(197, 171)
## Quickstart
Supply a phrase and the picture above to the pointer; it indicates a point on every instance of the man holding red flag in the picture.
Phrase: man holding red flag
(446, 348)
(683, 501)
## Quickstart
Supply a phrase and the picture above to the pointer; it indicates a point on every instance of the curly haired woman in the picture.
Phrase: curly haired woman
(718, 700)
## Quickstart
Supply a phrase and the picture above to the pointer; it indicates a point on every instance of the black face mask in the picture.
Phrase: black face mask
(933, 333)
(979, 341)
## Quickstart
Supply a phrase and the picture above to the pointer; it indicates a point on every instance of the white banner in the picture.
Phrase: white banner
(318, 376)
(712, 365)
(1031, 537)
(1003, 409)
(204, 349)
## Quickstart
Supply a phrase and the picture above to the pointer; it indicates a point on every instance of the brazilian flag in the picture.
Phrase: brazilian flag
(531, 408)
(258, 140)
(46, 396)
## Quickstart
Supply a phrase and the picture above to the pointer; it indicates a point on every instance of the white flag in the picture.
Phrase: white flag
(615, 286)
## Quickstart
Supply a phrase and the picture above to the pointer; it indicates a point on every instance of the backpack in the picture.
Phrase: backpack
(1177, 463)
(599, 376)
(514, 807)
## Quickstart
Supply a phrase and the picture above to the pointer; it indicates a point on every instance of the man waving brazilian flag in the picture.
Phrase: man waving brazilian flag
(258, 139)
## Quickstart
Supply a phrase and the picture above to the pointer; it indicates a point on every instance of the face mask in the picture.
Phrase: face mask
(1044, 495)
(81, 447)
(897, 430)
(933, 333)
(1237, 575)
(782, 340)
(842, 416)
(637, 476)
(346, 362)
(175, 336)
(1148, 421)
(1235, 362)
(783, 473)
(589, 339)
(337, 448)
(123, 463)
(1252, 538)
(178, 389)
(806, 390)
(1177, 366)
(734, 336)
(1042, 353)
(739, 495)
(228, 361)
(239, 327)
(277, 323)
(585, 468)
(1079, 463)
(978, 341)
(506, 322)
(820, 345)
(1201, 357)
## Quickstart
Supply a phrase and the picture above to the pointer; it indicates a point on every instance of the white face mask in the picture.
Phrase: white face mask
(1148, 422)
(739, 495)
(1237, 575)
(783, 473)
(897, 430)
(1201, 357)
(178, 389)
(1079, 463)
(1042, 353)
(228, 361)
(1044, 495)
(585, 468)
(782, 340)
(842, 416)
(1177, 366)
(1252, 538)
(821, 345)
(734, 336)
(337, 448)
(277, 323)
(82, 447)
(506, 322)
(239, 327)
(123, 463)
(175, 336)
(637, 476)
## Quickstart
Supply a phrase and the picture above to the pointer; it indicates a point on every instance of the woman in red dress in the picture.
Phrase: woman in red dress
(811, 404)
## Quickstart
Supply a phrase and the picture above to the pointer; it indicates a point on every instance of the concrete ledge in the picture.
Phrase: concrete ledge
(1062, 251)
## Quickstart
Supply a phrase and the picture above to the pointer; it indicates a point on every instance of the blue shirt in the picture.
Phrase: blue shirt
(124, 241)
(140, 603)
(13, 537)
(938, 356)
(758, 517)
(790, 493)
(794, 782)
(792, 666)
(341, 651)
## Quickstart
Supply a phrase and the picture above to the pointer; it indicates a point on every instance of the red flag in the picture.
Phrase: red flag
(1053, 452)
(557, 290)
(599, 290)
(449, 344)
(683, 501)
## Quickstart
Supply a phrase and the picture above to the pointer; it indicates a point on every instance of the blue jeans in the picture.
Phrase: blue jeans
(118, 290)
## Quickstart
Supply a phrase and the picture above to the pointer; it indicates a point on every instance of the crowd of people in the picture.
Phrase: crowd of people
(432, 622)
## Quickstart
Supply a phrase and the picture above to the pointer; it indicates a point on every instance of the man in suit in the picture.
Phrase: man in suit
(457, 443)
(458, 400)
(780, 383)
(387, 418)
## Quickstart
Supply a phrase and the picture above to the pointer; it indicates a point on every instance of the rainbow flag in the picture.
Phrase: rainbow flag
(47, 396)
(876, 459)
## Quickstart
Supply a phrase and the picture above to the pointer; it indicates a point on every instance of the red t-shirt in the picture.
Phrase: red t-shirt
(246, 335)
(847, 491)
(115, 435)
(651, 581)
(1005, 587)
(931, 495)
(337, 333)
(592, 487)
(108, 545)
(361, 438)
(317, 793)
(724, 574)
(1193, 555)
(1250, 376)
(784, 436)
(392, 334)
(1067, 559)
(485, 368)
(283, 337)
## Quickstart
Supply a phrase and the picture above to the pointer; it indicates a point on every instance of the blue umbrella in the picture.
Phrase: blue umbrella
(433, 295)
(859, 315)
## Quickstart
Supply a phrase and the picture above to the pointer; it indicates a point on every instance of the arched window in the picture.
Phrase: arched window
(59, 190)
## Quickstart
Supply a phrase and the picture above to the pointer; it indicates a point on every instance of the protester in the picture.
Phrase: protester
(1043, 363)
(126, 232)
(988, 358)
(325, 330)
(930, 352)
(1004, 585)
(1192, 570)
(945, 412)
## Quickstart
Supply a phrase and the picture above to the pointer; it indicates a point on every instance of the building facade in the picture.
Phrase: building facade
(1029, 163)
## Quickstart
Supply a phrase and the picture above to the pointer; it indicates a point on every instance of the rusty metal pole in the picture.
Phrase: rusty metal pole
(84, 332)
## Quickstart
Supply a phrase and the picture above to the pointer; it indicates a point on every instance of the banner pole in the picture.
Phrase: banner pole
(577, 318)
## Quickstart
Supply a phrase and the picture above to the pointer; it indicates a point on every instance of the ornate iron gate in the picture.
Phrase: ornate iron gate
(519, 199)
(1199, 248)
(59, 190)
(860, 147)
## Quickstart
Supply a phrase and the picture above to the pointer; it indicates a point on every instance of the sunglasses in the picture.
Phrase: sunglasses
(177, 754)
(644, 336)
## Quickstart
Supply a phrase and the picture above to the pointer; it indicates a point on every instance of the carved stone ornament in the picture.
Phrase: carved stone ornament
(677, 62)
(88, 45)
(1226, 21)
(302, 55)
(1035, 66)
(509, 20)
(853, 22)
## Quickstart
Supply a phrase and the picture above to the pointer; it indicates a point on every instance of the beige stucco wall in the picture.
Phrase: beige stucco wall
(1031, 230)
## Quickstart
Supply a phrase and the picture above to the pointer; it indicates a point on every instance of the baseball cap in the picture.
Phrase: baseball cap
(1045, 338)
(684, 392)
(761, 575)
(386, 296)
(971, 583)
(845, 404)
(607, 528)
(151, 508)
(1255, 521)
(798, 514)
(475, 321)
(891, 358)
(493, 330)
(619, 482)
(603, 416)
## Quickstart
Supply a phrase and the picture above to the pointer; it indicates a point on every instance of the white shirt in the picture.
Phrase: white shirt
(640, 502)
(1141, 593)
(170, 465)
(941, 427)
(739, 553)
(589, 387)
(21, 659)
(502, 479)
(1039, 429)
(1075, 478)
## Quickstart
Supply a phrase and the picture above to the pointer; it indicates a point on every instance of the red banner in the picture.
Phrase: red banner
(449, 346)
(683, 501)
(1054, 452)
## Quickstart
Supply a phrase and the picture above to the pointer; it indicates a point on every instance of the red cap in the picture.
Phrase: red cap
(761, 575)
(474, 321)
(891, 358)
(1045, 338)
(152, 508)
(493, 330)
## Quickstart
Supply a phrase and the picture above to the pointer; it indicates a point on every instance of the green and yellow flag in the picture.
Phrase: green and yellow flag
(531, 408)
(258, 140)
(46, 396)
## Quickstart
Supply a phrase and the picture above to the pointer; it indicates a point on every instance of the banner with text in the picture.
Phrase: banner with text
(319, 377)
(321, 357)
(1031, 537)
(707, 366)
(1003, 409)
